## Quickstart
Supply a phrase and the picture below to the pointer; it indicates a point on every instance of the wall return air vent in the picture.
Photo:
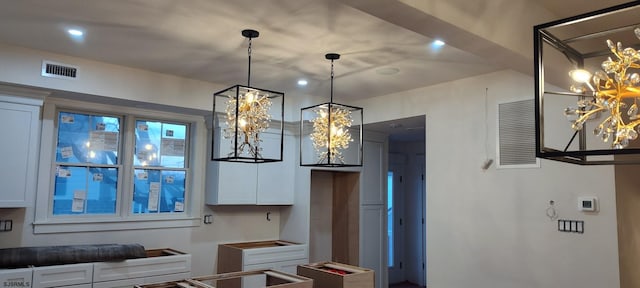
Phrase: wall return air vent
(58, 70)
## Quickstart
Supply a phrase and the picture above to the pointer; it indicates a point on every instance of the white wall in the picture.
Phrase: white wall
(485, 229)
(108, 83)
(230, 224)
(489, 228)
(105, 83)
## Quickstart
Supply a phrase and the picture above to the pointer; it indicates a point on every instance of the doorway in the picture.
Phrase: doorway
(406, 201)
(407, 215)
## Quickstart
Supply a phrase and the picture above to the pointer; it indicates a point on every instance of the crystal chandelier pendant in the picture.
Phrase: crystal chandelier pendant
(598, 97)
(331, 133)
(247, 124)
(612, 88)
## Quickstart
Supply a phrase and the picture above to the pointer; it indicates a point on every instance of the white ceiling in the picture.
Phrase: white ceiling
(201, 39)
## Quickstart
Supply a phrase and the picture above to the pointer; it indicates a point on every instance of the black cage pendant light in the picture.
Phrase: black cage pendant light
(331, 133)
(587, 73)
(247, 121)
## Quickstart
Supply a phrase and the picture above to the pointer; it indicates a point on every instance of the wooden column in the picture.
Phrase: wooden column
(628, 214)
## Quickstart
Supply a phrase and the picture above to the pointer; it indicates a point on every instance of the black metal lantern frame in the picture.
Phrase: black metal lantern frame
(331, 133)
(248, 122)
(580, 42)
(235, 147)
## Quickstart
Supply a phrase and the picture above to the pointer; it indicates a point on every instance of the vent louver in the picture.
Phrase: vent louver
(58, 70)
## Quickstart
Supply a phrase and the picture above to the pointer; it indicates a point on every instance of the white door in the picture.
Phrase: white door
(395, 219)
(372, 218)
(373, 212)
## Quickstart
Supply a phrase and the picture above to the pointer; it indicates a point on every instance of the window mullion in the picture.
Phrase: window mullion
(128, 148)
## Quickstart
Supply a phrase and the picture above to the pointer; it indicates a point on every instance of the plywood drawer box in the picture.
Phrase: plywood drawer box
(62, 275)
(276, 255)
(353, 277)
(16, 277)
(252, 279)
(159, 262)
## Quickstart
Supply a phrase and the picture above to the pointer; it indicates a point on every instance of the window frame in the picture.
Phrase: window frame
(124, 219)
(119, 165)
(187, 166)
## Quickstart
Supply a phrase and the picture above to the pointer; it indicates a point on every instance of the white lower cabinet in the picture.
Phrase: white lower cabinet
(63, 275)
(126, 273)
(127, 283)
(275, 255)
(141, 268)
(16, 277)
(119, 283)
(166, 278)
(282, 266)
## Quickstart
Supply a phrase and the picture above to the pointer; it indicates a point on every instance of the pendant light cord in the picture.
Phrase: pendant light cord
(486, 124)
(331, 97)
(249, 72)
(488, 161)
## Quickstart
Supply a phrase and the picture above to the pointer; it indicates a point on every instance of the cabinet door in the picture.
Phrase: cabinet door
(236, 183)
(119, 283)
(16, 277)
(62, 275)
(276, 179)
(18, 150)
(372, 240)
(230, 183)
(373, 174)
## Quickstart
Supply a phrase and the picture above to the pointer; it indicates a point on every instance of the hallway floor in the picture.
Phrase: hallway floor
(405, 285)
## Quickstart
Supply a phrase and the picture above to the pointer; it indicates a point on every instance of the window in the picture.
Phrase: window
(114, 171)
(86, 176)
(160, 167)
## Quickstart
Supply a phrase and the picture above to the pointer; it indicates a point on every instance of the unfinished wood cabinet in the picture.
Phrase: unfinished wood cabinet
(348, 214)
(249, 279)
(276, 255)
(337, 275)
(335, 213)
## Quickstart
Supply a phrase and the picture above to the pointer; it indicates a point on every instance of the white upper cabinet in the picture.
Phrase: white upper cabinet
(272, 183)
(20, 118)
(276, 180)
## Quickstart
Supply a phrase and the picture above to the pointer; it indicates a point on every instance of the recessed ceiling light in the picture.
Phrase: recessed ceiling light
(302, 82)
(438, 43)
(75, 32)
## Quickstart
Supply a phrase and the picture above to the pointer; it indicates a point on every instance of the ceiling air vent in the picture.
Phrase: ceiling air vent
(58, 70)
